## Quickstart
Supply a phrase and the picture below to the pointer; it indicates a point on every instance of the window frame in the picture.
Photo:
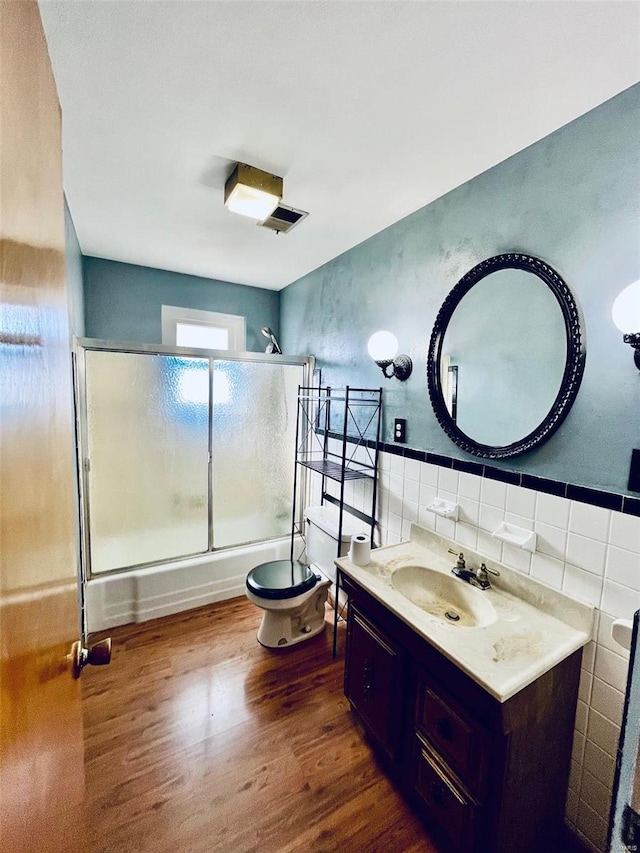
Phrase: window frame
(235, 325)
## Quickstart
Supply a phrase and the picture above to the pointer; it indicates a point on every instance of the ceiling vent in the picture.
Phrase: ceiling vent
(283, 219)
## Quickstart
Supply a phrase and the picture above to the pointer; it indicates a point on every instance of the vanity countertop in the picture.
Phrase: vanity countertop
(536, 626)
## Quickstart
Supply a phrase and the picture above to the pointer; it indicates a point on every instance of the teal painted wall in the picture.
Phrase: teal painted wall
(73, 265)
(572, 199)
(123, 302)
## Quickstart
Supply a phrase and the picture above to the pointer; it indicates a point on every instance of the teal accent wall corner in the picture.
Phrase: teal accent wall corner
(572, 199)
(123, 302)
(73, 266)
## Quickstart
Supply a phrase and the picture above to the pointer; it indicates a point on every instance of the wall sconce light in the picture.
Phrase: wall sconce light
(383, 348)
(626, 316)
(252, 192)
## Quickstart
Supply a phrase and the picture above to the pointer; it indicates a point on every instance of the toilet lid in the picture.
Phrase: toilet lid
(280, 579)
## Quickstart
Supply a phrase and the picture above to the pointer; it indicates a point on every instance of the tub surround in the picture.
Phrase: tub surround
(142, 594)
(536, 626)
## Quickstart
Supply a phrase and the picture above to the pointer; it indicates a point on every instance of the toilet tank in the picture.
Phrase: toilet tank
(322, 537)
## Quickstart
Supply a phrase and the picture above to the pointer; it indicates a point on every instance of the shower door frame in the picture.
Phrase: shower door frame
(83, 345)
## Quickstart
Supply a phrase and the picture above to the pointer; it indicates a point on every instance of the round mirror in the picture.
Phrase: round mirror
(506, 356)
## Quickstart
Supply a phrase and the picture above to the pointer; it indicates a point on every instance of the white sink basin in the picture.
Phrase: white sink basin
(448, 598)
(508, 635)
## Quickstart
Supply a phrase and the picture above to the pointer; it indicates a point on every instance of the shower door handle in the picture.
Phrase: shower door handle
(99, 654)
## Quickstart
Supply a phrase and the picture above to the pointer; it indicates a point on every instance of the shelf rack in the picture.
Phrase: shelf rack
(352, 418)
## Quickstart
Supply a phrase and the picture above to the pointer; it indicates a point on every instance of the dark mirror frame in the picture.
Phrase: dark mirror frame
(574, 364)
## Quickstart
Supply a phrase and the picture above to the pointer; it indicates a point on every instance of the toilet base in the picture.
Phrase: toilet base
(281, 628)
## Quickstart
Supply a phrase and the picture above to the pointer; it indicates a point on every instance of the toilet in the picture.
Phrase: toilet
(293, 595)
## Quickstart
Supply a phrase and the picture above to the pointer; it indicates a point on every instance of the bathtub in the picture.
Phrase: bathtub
(142, 594)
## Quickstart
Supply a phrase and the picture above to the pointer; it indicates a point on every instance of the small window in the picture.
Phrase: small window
(188, 327)
(197, 335)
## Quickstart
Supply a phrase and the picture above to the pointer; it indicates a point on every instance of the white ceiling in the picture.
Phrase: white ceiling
(369, 110)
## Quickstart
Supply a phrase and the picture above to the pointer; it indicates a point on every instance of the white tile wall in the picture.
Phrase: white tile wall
(590, 553)
(492, 493)
(522, 502)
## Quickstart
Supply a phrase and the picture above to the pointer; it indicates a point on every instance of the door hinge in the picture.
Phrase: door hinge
(631, 829)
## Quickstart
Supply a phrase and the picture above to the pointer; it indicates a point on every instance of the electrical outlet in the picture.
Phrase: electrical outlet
(400, 430)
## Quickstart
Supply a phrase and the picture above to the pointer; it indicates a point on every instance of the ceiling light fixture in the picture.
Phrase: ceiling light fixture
(252, 192)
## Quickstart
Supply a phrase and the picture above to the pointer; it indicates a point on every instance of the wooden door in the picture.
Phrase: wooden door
(41, 750)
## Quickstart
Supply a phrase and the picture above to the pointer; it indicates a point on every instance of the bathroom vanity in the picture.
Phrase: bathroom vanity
(475, 720)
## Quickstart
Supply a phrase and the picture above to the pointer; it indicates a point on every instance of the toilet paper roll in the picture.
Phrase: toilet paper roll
(360, 551)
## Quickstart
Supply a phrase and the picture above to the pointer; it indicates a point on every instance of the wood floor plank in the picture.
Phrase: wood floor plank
(198, 740)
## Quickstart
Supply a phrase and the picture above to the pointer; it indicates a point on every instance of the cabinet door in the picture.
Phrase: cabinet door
(374, 680)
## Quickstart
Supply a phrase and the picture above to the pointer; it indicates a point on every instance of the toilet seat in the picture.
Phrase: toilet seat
(280, 579)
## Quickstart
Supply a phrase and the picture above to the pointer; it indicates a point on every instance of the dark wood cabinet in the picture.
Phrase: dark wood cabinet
(488, 777)
(374, 681)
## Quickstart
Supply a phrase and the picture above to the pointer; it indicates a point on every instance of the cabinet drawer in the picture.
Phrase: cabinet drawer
(462, 742)
(454, 812)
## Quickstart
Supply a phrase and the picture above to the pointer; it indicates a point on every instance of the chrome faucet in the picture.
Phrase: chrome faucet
(476, 577)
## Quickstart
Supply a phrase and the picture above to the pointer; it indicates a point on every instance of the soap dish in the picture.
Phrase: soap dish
(446, 509)
(622, 631)
(518, 536)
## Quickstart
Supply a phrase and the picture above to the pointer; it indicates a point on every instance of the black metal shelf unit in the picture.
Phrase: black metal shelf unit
(352, 417)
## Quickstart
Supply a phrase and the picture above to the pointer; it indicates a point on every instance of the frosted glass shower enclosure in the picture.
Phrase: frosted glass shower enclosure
(183, 452)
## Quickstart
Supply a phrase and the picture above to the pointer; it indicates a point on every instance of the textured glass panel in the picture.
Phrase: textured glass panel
(254, 431)
(148, 443)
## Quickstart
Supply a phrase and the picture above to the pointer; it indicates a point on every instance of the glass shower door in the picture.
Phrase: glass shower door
(253, 449)
(147, 437)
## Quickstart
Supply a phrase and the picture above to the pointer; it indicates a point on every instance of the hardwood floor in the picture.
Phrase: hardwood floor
(198, 740)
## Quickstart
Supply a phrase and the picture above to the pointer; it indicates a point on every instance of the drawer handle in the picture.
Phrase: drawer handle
(438, 793)
(444, 729)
